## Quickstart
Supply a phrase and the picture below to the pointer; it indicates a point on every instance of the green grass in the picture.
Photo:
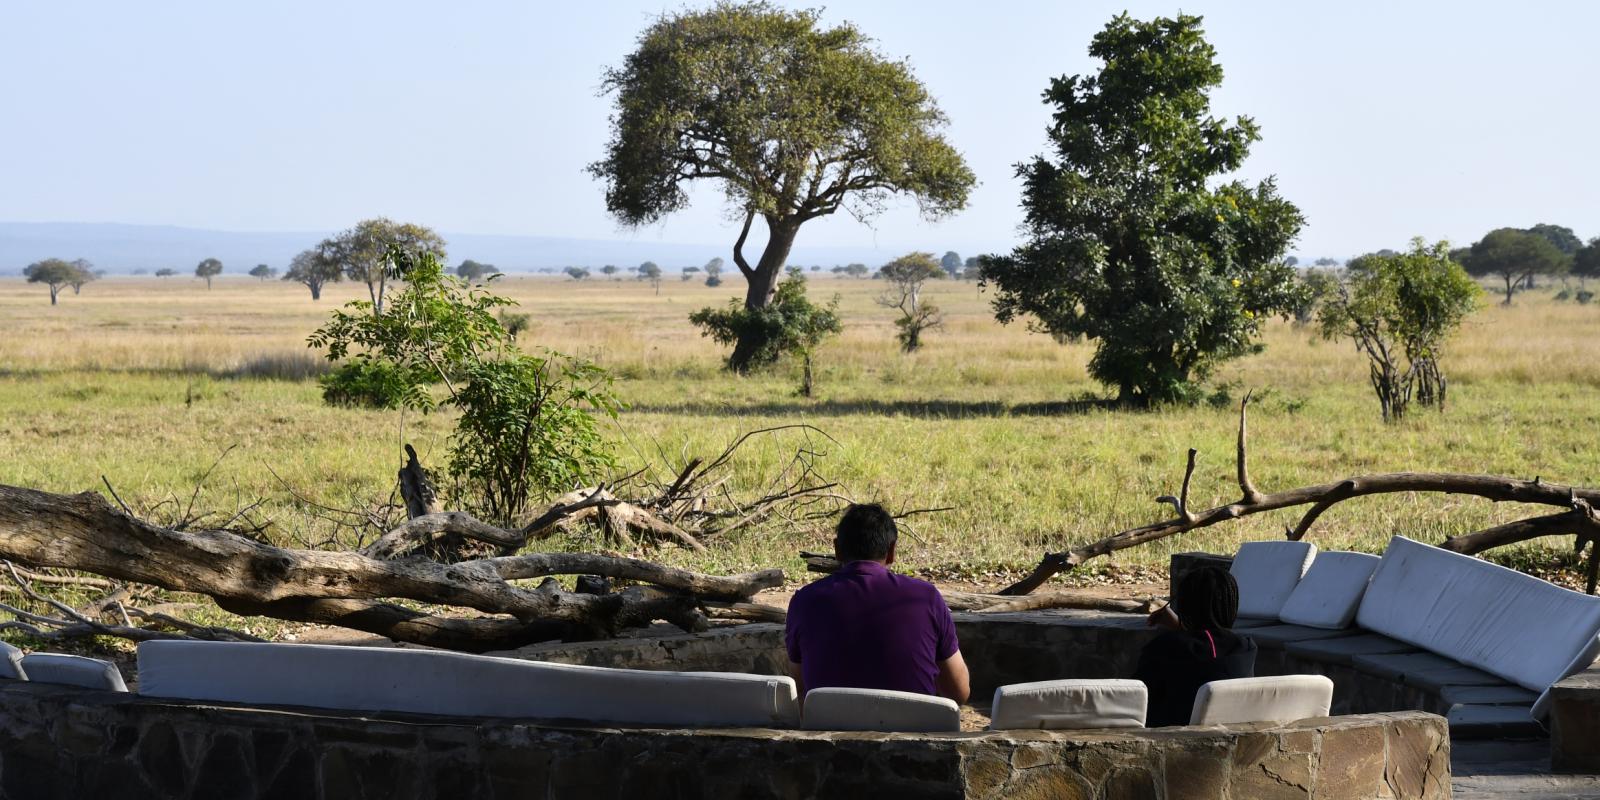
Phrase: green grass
(129, 381)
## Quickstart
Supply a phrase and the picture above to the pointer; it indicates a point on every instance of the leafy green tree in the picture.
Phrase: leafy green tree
(972, 269)
(790, 325)
(650, 271)
(166, 272)
(1514, 256)
(475, 271)
(262, 272)
(905, 277)
(54, 273)
(1399, 310)
(688, 273)
(951, 262)
(793, 120)
(1292, 261)
(1559, 236)
(713, 267)
(84, 273)
(208, 269)
(314, 270)
(1586, 262)
(362, 252)
(853, 270)
(1320, 284)
(609, 270)
(579, 273)
(1129, 243)
(713, 281)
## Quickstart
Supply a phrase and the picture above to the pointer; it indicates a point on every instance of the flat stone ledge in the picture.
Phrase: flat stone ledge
(1575, 723)
(61, 742)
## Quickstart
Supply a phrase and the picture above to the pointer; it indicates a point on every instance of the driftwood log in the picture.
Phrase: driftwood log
(1578, 519)
(355, 590)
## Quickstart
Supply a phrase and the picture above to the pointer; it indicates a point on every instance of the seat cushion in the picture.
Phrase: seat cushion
(1268, 573)
(11, 663)
(1344, 649)
(434, 682)
(89, 673)
(1498, 620)
(839, 709)
(1068, 704)
(1330, 593)
(1275, 637)
(1278, 699)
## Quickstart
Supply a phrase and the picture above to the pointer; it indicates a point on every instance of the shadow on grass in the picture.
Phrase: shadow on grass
(932, 409)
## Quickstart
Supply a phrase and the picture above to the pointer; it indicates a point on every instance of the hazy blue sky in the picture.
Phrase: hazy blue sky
(1382, 120)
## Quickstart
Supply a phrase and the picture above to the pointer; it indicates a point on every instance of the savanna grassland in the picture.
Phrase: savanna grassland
(147, 381)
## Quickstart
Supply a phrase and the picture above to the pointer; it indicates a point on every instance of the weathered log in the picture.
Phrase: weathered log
(1320, 497)
(416, 488)
(84, 532)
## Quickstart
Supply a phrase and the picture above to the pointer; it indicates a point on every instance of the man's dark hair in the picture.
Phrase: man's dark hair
(1207, 599)
(865, 533)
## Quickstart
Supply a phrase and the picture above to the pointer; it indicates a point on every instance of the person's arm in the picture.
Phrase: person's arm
(953, 681)
(799, 676)
(1165, 617)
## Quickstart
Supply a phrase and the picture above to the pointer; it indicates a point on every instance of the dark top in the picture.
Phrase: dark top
(865, 627)
(1177, 663)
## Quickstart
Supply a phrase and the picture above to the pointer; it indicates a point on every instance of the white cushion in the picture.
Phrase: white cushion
(89, 673)
(11, 663)
(1528, 631)
(839, 709)
(1330, 593)
(435, 682)
(1267, 573)
(1278, 698)
(1068, 704)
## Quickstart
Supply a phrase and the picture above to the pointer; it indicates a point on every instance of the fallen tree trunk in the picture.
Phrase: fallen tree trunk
(976, 601)
(1320, 498)
(84, 532)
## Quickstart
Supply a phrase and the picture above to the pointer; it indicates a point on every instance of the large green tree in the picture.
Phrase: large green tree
(208, 269)
(363, 252)
(1513, 256)
(310, 268)
(1586, 262)
(793, 120)
(53, 273)
(1132, 240)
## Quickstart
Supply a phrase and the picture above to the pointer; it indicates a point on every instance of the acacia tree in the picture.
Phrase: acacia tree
(208, 269)
(650, 271)
(1399, 310)
(363, 252)
(905, 277)
(83, 273)
(309, 267)
(1128, 242)
(475, 271)
(578, 273)
(53, 273)
(794, 121)
(951, 262)
(166, 272)
(1514, 256)
(1586, 262)
(261, 272)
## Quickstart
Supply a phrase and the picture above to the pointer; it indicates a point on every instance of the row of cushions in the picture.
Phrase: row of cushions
(1292, 582)
(456, 684)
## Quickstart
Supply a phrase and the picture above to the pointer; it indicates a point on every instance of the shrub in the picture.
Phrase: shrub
(1584, 296)
(790, 325)
(371, 383)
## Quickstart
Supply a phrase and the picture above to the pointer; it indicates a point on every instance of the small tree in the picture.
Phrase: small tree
(83, 273)
(609, 270)
(475, 271)
(689, 273)
(261, 272)
(53, 273)
(1514, 256)
(905, 277)
(1319, 285)
(313, 269)
(166, 272)
(649, 271)
(713, 267)
(579, 273)
(1326, 263)
(1399, 310)
(208, 269)
(1586, 262)
(713, 281)
(1133, 241)
(790, 325)
(362, 252)
(951, 262)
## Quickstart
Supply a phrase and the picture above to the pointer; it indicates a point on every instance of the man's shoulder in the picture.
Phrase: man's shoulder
(917, 586)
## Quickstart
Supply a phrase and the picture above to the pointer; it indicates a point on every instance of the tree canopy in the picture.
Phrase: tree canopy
(1132, 241)
(312, 268)
(208, 269)
(54, 273)
(1559, 236)
(905, 277)
(1586, 262)
(1514, 256)
(362, 252)
(792, 120)
(262, 272)
(475, 271)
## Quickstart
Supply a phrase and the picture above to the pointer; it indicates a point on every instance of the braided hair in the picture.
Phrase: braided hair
(1207, 599)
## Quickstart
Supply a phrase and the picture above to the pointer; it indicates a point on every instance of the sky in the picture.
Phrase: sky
(1381, 120)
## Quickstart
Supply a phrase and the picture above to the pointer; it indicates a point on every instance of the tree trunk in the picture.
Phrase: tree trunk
(763, 284)
(53, 292)
(1510, 288)
(316, 291)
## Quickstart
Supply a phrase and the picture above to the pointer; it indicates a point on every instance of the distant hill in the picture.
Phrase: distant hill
(122, 249)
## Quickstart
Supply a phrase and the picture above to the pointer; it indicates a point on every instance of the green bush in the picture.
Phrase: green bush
(369, 383)
(1584, 296)
(790, 325)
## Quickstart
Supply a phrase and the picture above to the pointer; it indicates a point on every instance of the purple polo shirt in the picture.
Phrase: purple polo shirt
(865, 627)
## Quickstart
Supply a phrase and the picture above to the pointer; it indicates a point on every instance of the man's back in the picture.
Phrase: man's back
(866, 627)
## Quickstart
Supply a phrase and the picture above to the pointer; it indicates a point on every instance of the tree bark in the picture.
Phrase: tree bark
(763, 284)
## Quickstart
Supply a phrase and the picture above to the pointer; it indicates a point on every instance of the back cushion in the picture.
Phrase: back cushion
(1501, 621)
(1278, 699)
(11, 663)
(433, 682)
(839, 709)
(1068, 704)
(1330, 593)
(89, 673)
(1267, 573)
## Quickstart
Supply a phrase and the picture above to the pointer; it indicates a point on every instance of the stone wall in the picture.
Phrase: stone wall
(58, 742)
(1575, 723)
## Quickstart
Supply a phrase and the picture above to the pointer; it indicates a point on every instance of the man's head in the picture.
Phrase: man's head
(866, 532)
(1207, 599)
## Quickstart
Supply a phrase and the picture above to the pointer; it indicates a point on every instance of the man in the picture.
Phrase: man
(865, 627)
